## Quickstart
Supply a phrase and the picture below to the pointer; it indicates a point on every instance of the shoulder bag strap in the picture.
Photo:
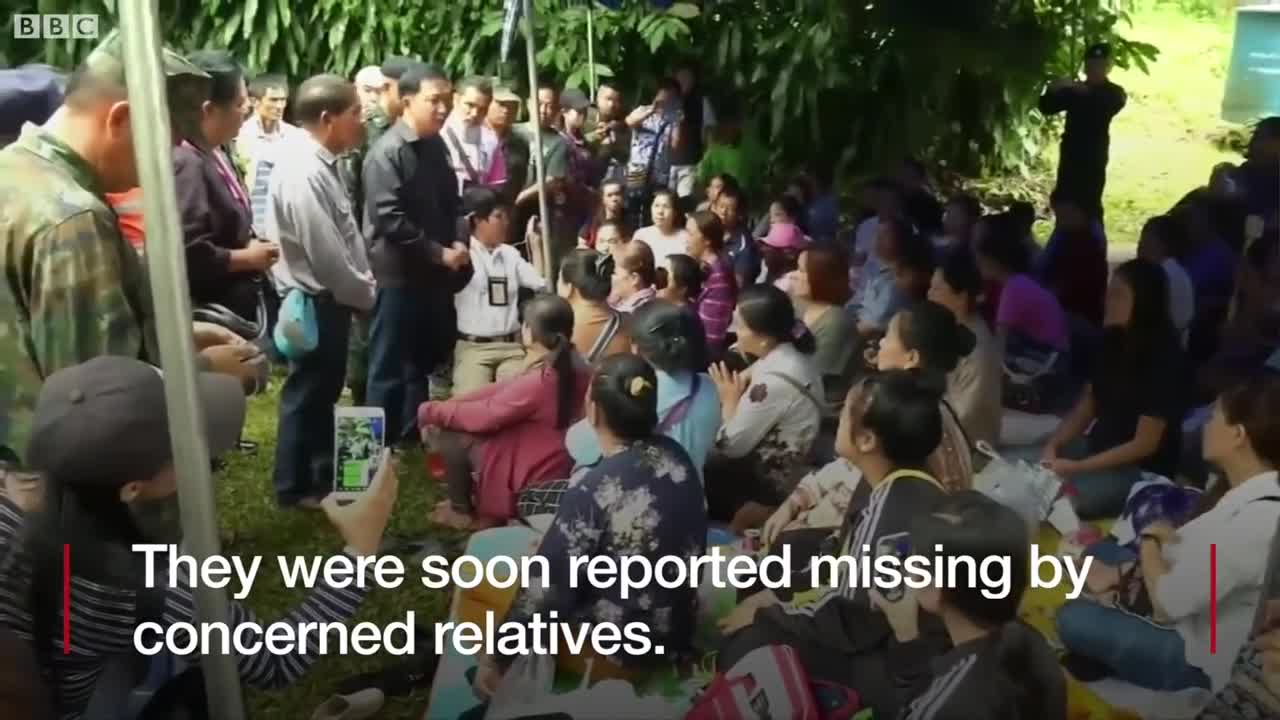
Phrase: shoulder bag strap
(800, 387)
(462, 155)
(915, 475)
(680, 410)
(605, 337)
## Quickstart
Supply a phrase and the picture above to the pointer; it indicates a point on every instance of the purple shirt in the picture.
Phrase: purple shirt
(1029, 309)
(715, 304)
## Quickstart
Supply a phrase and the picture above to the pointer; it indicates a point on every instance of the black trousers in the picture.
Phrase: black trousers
(304, 447)
(1082, 176)
(456, 450)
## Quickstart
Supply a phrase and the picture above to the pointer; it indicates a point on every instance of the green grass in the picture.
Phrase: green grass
(251, 525)
(1161, 144)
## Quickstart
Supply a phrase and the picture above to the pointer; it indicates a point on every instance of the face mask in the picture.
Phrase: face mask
(158, 520)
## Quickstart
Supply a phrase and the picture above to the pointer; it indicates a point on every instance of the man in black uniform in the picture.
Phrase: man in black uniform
(1090, 106)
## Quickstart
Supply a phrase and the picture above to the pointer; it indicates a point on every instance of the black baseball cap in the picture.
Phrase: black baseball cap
(1098, 51)
(104, 422)
(574, 99)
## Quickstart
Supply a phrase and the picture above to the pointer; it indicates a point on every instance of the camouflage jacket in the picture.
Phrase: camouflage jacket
(72, 287)
(376, 122)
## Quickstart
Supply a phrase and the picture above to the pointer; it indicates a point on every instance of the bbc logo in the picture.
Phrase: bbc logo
(55, 27)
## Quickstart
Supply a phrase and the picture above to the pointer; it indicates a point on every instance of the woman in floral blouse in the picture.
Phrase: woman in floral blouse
(643, 498)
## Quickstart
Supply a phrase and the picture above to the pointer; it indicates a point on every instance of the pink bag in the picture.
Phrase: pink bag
(769, 683)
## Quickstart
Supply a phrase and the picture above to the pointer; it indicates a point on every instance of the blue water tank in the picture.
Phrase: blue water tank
(1253, 82)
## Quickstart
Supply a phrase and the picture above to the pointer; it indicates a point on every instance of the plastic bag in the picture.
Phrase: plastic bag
(1029, 490)
(296, 332)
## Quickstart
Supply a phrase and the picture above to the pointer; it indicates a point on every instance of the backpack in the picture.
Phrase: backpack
(770, 682)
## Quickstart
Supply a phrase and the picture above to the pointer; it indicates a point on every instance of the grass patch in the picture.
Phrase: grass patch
(252, 525)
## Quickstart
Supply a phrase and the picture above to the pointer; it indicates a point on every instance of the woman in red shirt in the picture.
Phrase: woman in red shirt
(505, 436)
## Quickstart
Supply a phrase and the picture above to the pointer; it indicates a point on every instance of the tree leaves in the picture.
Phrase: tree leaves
(853, 79)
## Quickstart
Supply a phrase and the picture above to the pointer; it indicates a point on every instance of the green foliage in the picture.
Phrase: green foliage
(859, 81)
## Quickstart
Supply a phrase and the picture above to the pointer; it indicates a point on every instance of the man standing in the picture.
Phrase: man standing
(474, 149)
(410, 213)
(582, 171)
(71, 288)
(265, 127)
(698, 119)
(489, 346)
(369, 83)
(555, 151)
(323, 256)
(653, 131)
(608, 135)
(377, 118)
(515, 151)
(1086, 142)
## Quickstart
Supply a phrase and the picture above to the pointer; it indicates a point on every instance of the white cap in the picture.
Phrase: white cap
(369, 76)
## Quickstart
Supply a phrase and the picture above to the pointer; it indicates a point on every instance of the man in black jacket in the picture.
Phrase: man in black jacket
(1090, 105)
(410, 214)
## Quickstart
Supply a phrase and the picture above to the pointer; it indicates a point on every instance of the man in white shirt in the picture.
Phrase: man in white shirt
(259, 136)
(489, 346)
(474, 149)
(322, 255)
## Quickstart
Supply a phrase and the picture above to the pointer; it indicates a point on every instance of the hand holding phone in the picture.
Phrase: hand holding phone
(363, 522)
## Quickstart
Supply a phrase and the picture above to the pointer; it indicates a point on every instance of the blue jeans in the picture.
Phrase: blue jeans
(1099, 494)
(399, 357)
(304, 446)
(1133, 649)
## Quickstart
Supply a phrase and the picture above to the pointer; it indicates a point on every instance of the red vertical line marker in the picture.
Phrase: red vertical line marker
(66, 599)
(1213, 599)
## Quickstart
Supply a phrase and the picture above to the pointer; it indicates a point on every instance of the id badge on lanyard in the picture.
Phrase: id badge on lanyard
(498, 296)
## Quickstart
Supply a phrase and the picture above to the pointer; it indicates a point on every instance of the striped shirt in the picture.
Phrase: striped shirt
(103, 618)
(716, 303)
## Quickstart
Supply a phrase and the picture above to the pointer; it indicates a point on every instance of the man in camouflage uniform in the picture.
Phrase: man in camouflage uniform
(71, 287)
(376, 121)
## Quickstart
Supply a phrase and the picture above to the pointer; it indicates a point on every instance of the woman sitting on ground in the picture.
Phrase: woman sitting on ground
(585, 282)
(642, 499)
(998, 668)
(974, 388)
(771, 414)
(780, 254)
(1031, 327)
(924, 337)
(820, 288)
(1134, 404)
(878, 296)
(888, 429)
(1172, 567)
(666, 336)
(680, 282)
(719, 288)
(500, 438)
(666, 236)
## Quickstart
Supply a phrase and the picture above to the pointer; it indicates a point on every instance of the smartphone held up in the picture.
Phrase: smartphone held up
(359, 437)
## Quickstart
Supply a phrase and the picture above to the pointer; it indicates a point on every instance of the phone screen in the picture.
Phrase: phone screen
(897, 545)
(358, 442)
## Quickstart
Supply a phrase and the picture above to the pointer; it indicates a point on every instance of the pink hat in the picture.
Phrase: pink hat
(786, 236)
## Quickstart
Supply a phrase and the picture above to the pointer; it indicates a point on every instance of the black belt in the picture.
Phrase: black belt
(509, 337)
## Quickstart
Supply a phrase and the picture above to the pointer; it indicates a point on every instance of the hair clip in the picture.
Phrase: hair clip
(637, 386)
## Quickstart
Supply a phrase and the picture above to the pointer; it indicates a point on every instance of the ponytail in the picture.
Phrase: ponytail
(550, 322)
(562, 363)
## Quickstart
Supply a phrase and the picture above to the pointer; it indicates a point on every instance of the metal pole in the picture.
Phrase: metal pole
(167, 267)
(591, 46)
(539, 171)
